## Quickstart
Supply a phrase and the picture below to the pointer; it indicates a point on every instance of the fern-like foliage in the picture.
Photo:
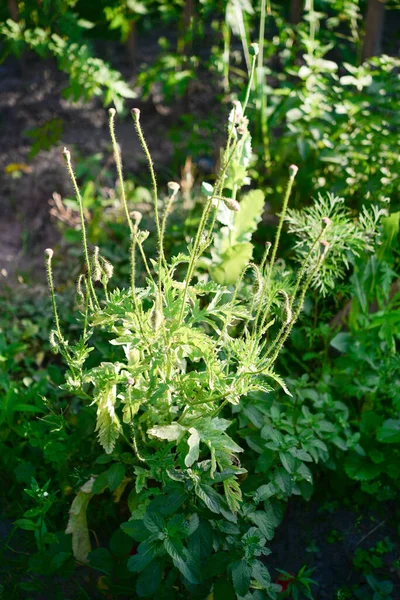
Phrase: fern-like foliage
(347, 235)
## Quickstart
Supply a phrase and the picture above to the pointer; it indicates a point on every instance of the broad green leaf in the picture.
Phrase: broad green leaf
(177, 552)
(115, 475)
(209, 496)
(146, 552)
(153, 522)
(389, 433)
(234, 260)
(149, 579)
(241, 575)
(261, 574)
(361, 468)
(263, 522)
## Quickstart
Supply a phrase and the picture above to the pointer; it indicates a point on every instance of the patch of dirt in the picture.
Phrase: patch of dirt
(31, 95)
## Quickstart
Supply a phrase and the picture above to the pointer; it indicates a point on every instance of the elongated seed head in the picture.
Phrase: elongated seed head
(232, 204)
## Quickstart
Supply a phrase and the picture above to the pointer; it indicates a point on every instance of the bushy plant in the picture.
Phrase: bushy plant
(179, 353)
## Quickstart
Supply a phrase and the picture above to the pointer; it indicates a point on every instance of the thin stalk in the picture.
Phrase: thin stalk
(118, 162)
(136, 118)
(299, 306)
(67, 156)
(235, 293)
(174, 187)
(251, 77)
(49, 255)
(292, 171)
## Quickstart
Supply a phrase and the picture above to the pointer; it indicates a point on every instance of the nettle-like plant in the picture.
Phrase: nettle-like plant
(188, 348)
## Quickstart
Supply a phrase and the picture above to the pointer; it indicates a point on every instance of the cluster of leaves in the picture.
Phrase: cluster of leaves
(64, 39)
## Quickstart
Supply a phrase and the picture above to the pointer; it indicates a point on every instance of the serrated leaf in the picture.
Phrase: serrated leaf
(149, 579)
(177, 552)
(153, 522)
(263, 522)
(146, 552)
(261, 574)
(241, 576)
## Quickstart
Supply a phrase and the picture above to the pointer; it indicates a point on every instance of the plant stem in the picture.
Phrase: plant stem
(67, 156)
(118, 162)
(136, 118)
(292, 174)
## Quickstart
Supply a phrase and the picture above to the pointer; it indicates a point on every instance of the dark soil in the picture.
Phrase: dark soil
(31, 95)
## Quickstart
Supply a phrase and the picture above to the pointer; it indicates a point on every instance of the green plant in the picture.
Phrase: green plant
(180, 361)
(297, 586)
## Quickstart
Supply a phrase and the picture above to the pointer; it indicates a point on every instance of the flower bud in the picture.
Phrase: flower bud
(49, 253)
(136, 113)
(111, 112)
(232, 204)
(323, 246)
(173, 186)
(67, 154)
(254, 49)
(136, 216)
(293, 169)
(325, 222)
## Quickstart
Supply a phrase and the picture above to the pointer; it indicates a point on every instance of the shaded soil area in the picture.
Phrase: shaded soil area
(327, 536)
(30, 96)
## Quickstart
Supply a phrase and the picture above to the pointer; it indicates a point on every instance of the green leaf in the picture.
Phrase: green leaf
(115, 475)
(263, 522)
(26, 524)
(171, 433)
(241, 575)
(149, 579)
(77, 523)
(341, 342)
(153, 522)
(389, 433)
(120, 544)
(261, 574)
(390, 235)
(361, 468)
(247, 219)
(234, 260)
(102, 560)
(136, 530)
(193, 443)
(209, 496)
(176, 550)
(146, 552)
